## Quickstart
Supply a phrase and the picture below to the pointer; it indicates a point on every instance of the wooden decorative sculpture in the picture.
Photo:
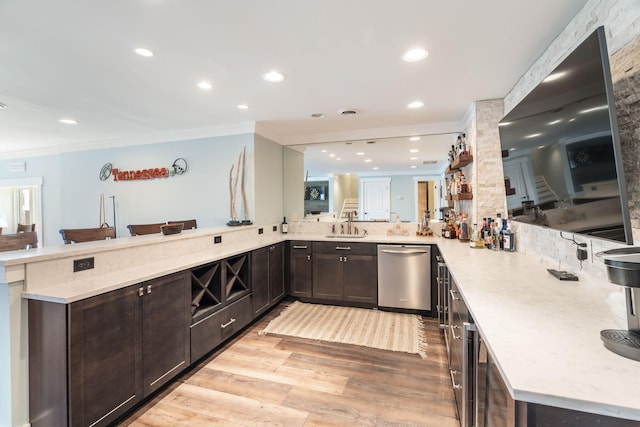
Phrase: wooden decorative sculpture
(245, 207)
(232, 199)
(233, 190)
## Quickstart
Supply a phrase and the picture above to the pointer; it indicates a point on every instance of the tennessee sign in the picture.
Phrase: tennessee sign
(178, 167)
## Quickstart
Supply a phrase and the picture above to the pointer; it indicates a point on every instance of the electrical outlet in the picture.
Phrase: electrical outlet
(83, 264)
(217, 239)
(260, 230)
(581, 254)
(275, 228)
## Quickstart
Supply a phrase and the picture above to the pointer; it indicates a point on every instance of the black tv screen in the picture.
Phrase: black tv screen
(561, 151)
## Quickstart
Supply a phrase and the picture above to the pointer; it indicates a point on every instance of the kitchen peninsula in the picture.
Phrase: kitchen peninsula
(542, 333)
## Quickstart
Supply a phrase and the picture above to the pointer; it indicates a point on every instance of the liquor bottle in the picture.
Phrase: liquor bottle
(497, 232)
(509, 239)
(476, 241)
(488, 234)
(285, 226)
(464, 143)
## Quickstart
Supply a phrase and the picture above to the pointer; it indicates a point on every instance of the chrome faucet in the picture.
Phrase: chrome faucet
(350, 215)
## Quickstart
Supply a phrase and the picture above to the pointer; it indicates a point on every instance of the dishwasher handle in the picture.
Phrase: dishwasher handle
(404, 252)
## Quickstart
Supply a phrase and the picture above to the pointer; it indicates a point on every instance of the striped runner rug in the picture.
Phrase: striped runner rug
(348, 325)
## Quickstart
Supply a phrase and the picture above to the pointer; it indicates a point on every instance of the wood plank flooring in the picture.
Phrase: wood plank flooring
(259, 380)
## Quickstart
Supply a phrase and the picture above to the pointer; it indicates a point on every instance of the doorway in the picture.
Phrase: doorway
(425, 197)
(375, 198)
(21, 203)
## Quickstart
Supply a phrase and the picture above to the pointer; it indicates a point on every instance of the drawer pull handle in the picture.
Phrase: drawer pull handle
(228, 323)
(300, 247)
(453, 333)
(453, 295)
(343, 248)
(308, 257)
(453, 381)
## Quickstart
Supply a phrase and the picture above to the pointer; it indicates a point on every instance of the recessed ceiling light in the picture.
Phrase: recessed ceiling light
(554, 76)
(504, 124)
(332, 155)
(274, 76)
(324, 151)
(338, 158)
(555, 122)
(68, 121)
(414, 55)
(367, 160)
(414, 138)
(375, 168)
(243, 107)
(204, 85)
(533, 135)
(413, 158)
(573, 119)
(540, 146)
(416, 104)
(144, 52)
(3, 106)
(317, 115)
(413, 167)
(414, 150)
(360, 153)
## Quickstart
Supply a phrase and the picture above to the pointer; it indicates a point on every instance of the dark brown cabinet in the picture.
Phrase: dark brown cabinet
(267, 270)
(299, 269)
(221, 302)
(92, 360)
(345, 272)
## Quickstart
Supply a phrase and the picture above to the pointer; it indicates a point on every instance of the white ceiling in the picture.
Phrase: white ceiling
(75, 59)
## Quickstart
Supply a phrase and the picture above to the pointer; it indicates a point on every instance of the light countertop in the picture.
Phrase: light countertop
(543, 333)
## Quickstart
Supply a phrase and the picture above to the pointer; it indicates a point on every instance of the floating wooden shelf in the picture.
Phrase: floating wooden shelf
(460, 196)
(460, 162)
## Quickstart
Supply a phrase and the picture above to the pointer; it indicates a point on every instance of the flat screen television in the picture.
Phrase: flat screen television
(561, 150)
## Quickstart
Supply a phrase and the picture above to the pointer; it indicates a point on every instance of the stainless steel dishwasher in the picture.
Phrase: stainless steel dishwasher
(404, 277)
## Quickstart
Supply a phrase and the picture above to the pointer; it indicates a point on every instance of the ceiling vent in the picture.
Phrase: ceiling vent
(347, 112)
(430, 162)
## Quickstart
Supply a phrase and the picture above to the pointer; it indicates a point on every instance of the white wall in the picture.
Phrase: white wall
(71, 185)
(293, 186)
(269, 176)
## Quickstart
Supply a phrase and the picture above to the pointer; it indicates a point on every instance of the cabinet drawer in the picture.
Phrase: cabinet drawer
(213, 330)
(353, 248)
(300, 245)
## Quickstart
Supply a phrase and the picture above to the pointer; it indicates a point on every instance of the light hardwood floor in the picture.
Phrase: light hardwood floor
(259, 380)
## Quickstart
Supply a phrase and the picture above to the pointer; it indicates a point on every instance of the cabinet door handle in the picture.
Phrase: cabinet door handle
(300, 247)
(343, 248)
(340, 259)
(308, 257)
(140, 292)
(149, 289)
(228, 323)
(272, 248)
(453, 295)
(345, 259)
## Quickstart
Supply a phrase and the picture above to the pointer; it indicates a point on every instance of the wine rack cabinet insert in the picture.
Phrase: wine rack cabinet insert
(221, 302)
